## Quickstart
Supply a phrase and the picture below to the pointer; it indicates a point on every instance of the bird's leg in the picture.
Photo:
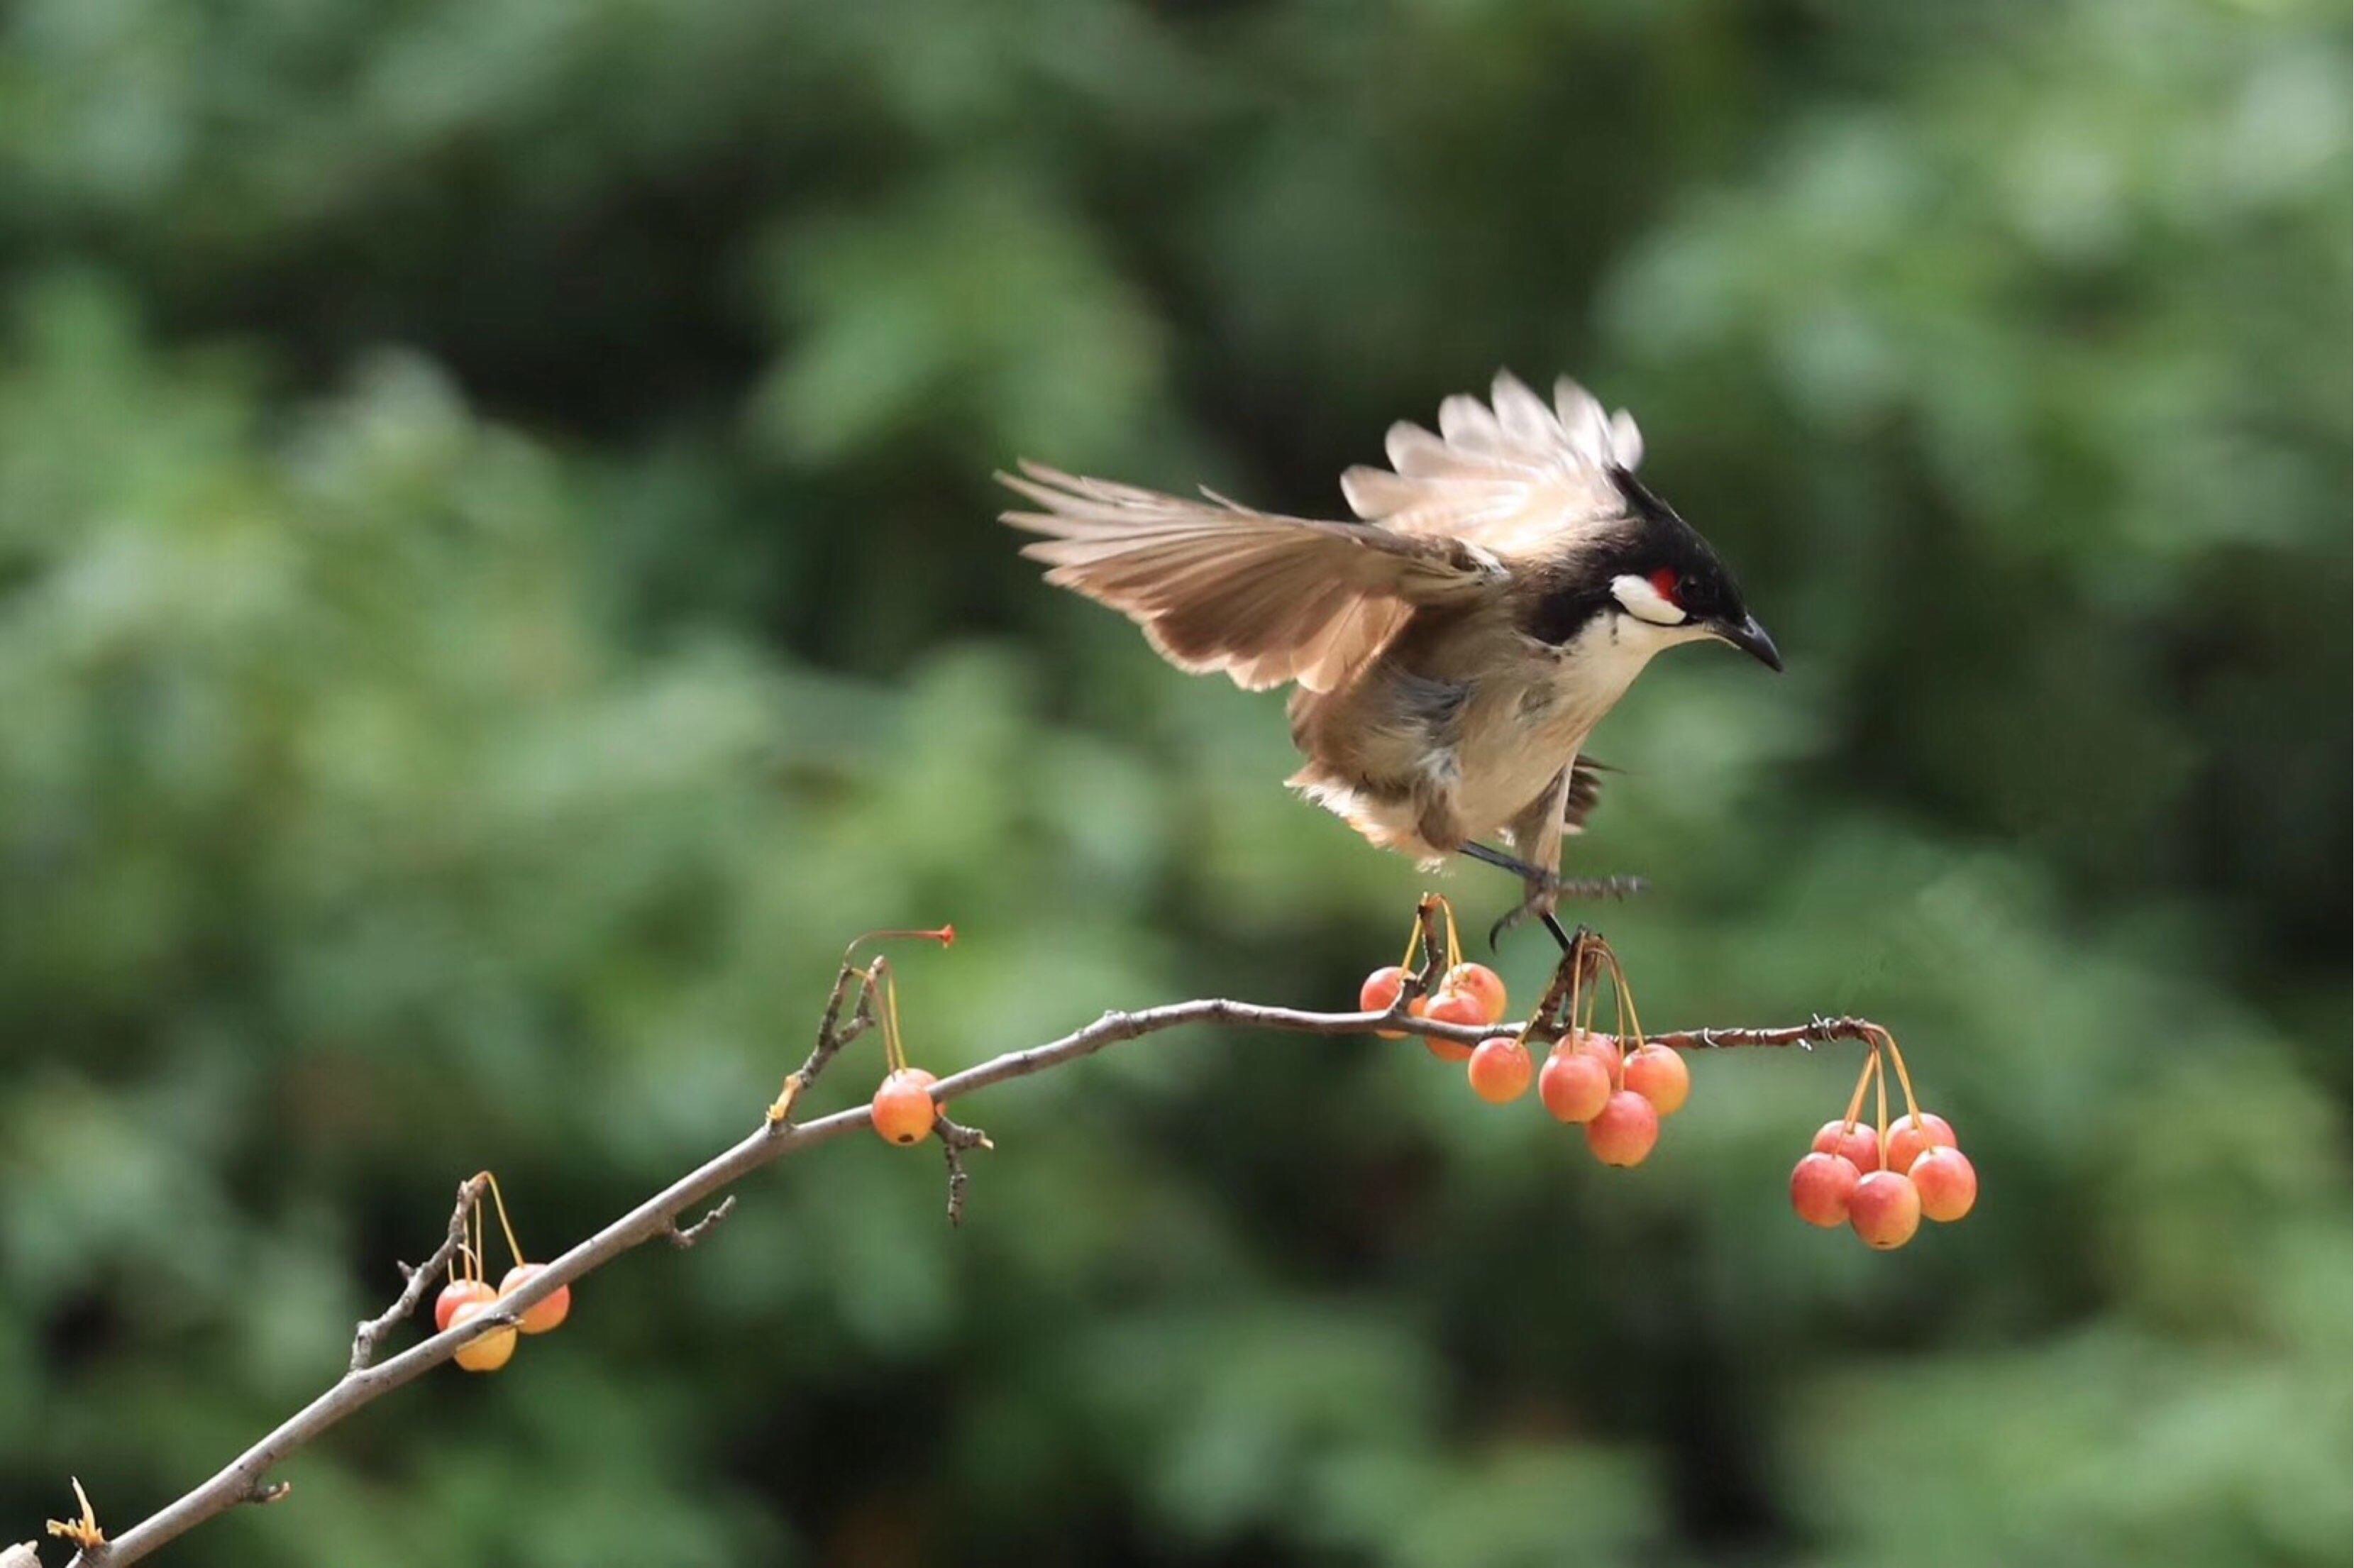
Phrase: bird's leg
(1546, 885)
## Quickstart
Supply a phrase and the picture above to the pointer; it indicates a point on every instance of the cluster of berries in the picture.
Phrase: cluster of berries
(469, 1293)
(1589, 1079)
(1883, 1177)
(1617, 1094)
(1472, 995)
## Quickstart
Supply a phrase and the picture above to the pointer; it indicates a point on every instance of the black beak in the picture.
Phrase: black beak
(1750, 639)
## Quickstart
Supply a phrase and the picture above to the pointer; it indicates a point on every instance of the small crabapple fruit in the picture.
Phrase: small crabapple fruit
(1483, 985)
(1907, 1138)
(1659, 1075)
(1820, 1186)
(1858, 1145)
(1451, 1007)
(902, 1110)
(485, 1352)
(456, 1294)
(1379, 994)
(1947, 1182)
(1626, 1131)
(1603, 1048)
(1501, 1070)
(544, 1313)
(1574, 1085)
(1885, 1209)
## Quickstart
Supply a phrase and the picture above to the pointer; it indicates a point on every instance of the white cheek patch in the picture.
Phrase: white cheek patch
(1638, 598)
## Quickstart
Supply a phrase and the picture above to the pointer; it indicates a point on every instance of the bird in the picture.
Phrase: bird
(1453, 645)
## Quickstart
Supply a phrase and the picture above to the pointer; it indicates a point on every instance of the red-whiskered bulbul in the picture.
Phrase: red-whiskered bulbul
(1506, 581)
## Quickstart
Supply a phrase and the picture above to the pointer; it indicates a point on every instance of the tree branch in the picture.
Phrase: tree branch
(245, 1478)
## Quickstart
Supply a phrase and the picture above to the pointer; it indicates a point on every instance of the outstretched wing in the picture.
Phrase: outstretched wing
(1219, 587)
(1518, 478)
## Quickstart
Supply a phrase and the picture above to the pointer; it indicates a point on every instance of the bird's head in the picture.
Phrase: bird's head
(1667, 579)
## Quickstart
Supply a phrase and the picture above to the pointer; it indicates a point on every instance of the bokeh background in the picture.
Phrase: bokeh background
(497, 583)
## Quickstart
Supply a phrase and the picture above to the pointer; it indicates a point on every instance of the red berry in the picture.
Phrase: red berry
(1947, 1182)
(1820, 1187)
(1626, 1130)
(1659, 1075)
(1451, 1007)
(1574, 1085)
(456, 1294)
(903, 1111)
(1603, 1048)
(484, 1352)
(1885, 1209)
(1379, 994)
(1859, 1145)
(1906, 1140)
(548, 1310)
(1483, 985)
(1501, 1070)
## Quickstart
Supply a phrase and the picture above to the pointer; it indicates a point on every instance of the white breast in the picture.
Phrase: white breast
(1540, 715)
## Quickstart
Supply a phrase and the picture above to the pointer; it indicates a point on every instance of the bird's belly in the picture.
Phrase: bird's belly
(1517, 727)
(1505, 766)
(1533, 726)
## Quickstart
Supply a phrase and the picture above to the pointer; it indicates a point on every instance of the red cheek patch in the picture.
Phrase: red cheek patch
(1663, 583)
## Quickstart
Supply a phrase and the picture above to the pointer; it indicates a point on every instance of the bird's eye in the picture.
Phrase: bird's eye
(1665, 584)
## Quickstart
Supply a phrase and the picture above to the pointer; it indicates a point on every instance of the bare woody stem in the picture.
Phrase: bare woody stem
(245, 1478)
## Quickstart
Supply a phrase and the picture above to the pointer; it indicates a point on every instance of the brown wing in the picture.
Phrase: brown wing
(1519, 479)
(1215, 585)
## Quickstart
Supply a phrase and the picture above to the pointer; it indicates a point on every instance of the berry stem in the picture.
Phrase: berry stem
(1862, 1083)
(1623, 996)
(1904, 1078)
(944, 935)
(1880, 1084)
(882, 979)
(498, 1201)
(1454, 938)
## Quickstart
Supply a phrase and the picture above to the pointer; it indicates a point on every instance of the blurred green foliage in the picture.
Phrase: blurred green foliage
(496, 585)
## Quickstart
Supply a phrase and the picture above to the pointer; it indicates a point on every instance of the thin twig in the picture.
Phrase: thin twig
(956, 1141)
(832, 1034)
(416, 1281)
(241, 1480)
(684, 1238)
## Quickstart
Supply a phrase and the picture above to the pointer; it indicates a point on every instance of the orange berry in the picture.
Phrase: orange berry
(1885, 1209)
(548, 1311)
(485, 1352)
(1574, 1085)
(1482, 984)
(1906, 1140)
(1947, 1182)
(1501, 1070)
(1379, 994)
(1603, 1048)
(1450, 1007)
(1626, 1131)
(1858, 1145)
(1820, 1186)
(1659, 1075)
(903, 1111)
(456, 1294)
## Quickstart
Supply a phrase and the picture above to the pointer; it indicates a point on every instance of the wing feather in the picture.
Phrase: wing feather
(1216, 585)
(1510, 475)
